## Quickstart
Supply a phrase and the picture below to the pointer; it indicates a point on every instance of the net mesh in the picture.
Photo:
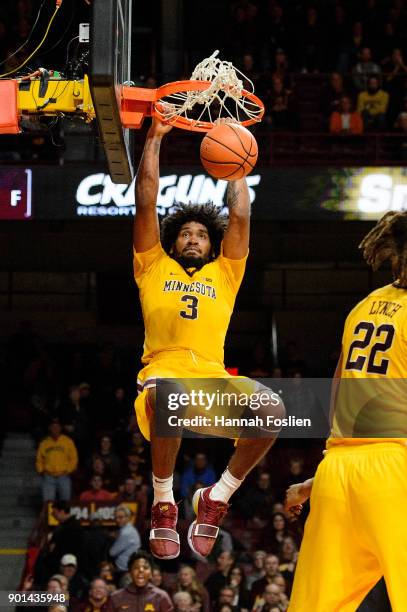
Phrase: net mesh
(225, 97)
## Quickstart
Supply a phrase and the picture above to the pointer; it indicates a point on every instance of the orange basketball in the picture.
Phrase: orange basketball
(229, 151)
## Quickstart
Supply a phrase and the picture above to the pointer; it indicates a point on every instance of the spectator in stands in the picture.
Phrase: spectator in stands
(278, 105)
(97, 599)
(127, 541)
(187, 581)
(226, 596)
(63, 581)
(372, 105)
(332, 94)
(259, 496)
(237, 580)
(219, 578)
(75, 420)
(199, 470)
(311, 42)
(77, 583)
(141, 592)
(258, 568)
(346, 121)
(271, 567)
(364, 69)
(281, 68)
(288, 559)
(97, 544)
(157, 577)
(278, 530)
(68, 538)
(96, 491)
(248, 70)
(106, 572)
(281, 583)
(56, 460)
(225, 607)
(57, 608)
(271, 599)
(128, 491)
(136, 470)
(350, 51)
(98, 467)
(109, 457)
(182, 601)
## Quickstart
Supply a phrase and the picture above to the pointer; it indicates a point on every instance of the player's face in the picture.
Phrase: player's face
(192, 247)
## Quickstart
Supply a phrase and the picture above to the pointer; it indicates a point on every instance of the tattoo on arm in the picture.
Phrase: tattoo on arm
(233, 193)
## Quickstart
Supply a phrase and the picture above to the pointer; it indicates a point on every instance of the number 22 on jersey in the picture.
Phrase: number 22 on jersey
(366, 351)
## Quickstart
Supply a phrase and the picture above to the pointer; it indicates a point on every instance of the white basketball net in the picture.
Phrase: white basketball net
(225, 88)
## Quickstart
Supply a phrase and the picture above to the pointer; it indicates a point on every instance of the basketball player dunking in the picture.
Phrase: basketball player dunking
(357, 530)
(185, 331)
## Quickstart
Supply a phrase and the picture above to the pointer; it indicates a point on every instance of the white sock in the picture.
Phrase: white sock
(163, 490)
(225, 487)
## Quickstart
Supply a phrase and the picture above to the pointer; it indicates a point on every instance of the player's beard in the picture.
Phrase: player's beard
(191, 261)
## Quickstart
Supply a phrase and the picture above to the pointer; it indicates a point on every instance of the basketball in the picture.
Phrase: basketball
(229, 152)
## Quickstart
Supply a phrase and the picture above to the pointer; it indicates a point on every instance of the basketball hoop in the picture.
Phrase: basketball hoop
(214, 91)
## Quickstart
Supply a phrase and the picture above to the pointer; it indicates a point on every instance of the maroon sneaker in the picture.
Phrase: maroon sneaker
(204, 530)
(164, 539)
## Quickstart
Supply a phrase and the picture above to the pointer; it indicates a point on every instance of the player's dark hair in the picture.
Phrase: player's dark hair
(207, 214)
(141, 554)
(388, 241)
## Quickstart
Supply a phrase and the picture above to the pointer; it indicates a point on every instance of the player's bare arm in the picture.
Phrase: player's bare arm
(146, 232)
(236, 239)
(296, 495)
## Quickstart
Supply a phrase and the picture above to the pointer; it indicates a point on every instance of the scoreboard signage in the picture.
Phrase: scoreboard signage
(77, 192)
(85, 512)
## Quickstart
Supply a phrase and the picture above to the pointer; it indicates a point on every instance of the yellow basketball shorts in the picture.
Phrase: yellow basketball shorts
(356, 531)
(182, 364)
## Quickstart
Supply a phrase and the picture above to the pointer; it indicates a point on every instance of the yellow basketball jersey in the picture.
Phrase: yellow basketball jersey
(372, 395)
(186, 311)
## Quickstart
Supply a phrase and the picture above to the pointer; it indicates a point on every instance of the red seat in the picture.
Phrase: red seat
(9, 115)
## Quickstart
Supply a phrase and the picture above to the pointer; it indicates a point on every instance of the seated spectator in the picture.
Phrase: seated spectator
(258, 568)
(331, 94)
(77, 583)
(288, 559)
(63, 581)
(157, 577)
(68, 538)
(346, 121)
(278, 531)
(141, 594)
(98, 468)
(271, 599)
(278, 104)
(257, 497)
(128, 491)
(199, 470)
(75, 420)
(56, 460)
(136, 470)
(226, 596)
(237, 580)
(395, 71)
(127, 540)
(219, 578)
(106, 572)
(109, 457)
(96, 491)
(97, 600)
(271, 567)
(372, 105)
(281, 583)
(187, 581)
(364, 69)
(183, 602)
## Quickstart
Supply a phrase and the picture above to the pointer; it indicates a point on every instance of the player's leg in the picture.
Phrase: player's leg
(164, 538)
(211, 503)
(336, 569)
(381, 509)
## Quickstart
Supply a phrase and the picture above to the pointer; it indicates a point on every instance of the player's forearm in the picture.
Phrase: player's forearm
(238, 199)
(148, 174)
(306, 487)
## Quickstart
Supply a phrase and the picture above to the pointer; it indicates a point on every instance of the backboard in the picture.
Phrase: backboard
(110, 69)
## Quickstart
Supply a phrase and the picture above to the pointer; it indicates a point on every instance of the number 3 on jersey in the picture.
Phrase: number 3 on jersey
(191, 311)
(383, 335)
